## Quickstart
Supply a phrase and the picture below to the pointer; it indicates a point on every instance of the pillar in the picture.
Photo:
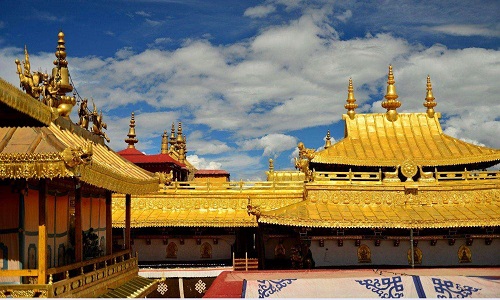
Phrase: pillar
(42, 232)
(78, 222)
(109, 224)
(127, 221)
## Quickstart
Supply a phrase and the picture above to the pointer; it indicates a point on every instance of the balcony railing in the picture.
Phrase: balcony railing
(82, 279)
(237, 186)
(356, 177)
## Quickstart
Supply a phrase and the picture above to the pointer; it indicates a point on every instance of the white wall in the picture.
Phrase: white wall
(442, 254)
(190, 251)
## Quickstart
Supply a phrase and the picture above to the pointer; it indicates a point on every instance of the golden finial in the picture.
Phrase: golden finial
(164, 143)
(131, 140)
(391, 104)
(179, 133)
(60, 71)
(351, 105)
(328, 141)
(271, 165)
(429, 99)
(61, 51)
(172, 136)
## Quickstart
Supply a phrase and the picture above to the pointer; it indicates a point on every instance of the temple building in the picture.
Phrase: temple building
(78, 219)
(395, 184)
(56, 182)
(395, 191)
(171, 161)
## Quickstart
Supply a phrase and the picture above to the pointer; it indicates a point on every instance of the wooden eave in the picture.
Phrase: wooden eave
(373, 141)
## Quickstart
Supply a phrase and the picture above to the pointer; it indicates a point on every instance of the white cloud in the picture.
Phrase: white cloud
(201, 163)
(143, 14)
(124, 53)
(259, 11)
(345, 16)
(465, 30)
(272, 144)
(153, 23)
(197, 143)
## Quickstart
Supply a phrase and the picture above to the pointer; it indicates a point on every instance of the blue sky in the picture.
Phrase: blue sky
(250, 79)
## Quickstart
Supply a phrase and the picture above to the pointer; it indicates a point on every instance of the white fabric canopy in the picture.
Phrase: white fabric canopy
(374, 287)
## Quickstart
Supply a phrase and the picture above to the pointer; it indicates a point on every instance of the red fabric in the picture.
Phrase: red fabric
(137, 157)
(223, 288)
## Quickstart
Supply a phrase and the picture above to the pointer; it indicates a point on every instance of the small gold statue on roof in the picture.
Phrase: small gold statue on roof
(302, 162)
(51, 90)
(98, 124)
(84, 114)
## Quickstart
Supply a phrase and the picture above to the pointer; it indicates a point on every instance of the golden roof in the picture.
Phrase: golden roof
(55, 151)
(20, 109)
(161, 211)
(373, 140)
(193, 204)
(383, 208)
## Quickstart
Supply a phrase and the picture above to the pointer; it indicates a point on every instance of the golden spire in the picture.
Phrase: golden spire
(172, 137)
(131, 140)
(351, 105)
(391, 104)
(60, 71)
(429, 99)
(271, 165)
(179, 134)
(328, 141)
(164, 143)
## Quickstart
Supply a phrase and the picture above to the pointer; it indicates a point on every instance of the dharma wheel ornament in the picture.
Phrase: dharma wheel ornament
(391, 104)
(409, 169)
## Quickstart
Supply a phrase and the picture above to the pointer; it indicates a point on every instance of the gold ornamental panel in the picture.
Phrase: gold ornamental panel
(417, 256)
(364, 254)
(409, 169)
(464, 254)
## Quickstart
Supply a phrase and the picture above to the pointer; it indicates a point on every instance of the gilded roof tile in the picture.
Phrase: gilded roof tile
(372, 140)
(36, 152)
(432, 209)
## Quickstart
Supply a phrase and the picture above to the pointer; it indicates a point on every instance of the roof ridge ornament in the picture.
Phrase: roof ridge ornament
(351, 105)
(429, 99)
(131, 140)
(328, 142)
(49, 90)
(391, 104)
(164, 143)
